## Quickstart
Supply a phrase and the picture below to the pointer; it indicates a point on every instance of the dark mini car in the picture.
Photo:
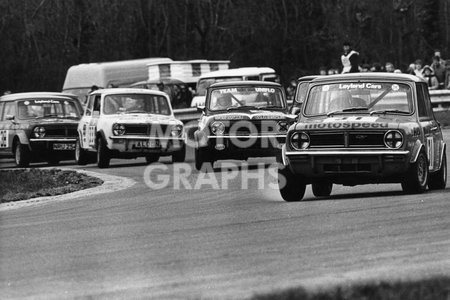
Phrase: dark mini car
(242, 119)
(364, 128)
(39, 126)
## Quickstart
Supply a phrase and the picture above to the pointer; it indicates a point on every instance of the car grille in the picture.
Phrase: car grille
(244, 128)
(146, 129)
(61, 131)
(346, 139)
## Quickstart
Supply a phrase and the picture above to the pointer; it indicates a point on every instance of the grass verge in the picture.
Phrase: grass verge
(22, 184)
(437, 288)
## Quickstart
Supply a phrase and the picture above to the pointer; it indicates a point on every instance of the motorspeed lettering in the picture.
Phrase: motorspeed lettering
(3, 138)
(348, 86)
(345, 125)
(225, 91)
(265, 90)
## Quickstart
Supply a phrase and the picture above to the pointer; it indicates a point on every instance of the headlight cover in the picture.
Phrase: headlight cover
(118, 129)
(39, 132)
(393, 139)
(218, 128)
(299, 140)
(176, 131)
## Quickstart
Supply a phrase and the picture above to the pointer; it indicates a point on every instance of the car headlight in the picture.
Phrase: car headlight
(39, 132)
(299, 140)
(282, 126)
(176, 131)
(118, 129)
(218, 128)
(393, 139)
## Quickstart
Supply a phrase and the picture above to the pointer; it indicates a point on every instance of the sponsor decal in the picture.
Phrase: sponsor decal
(395, 87)
(46, 102)
(345, 125)
(265, 90)
(351, 119)
(230, 117)
(367, 85)
(3, 138)
(225, 91)
(267, 117)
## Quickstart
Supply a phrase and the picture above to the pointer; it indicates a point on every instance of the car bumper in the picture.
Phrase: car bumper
(52, 144)
(143, 145)
(353, 166)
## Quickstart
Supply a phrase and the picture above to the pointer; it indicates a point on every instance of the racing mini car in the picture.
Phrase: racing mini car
(39, 126)
(129, 123)
(241, 119)
(364, 128)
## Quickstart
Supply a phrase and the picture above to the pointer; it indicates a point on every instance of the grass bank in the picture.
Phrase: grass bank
(22, 184)
(428, 289)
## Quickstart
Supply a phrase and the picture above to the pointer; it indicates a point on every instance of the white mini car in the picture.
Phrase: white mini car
(129, 123)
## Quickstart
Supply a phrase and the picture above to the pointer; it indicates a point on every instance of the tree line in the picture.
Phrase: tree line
(41, 39)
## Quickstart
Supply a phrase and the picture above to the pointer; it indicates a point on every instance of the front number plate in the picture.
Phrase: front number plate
(59, 146)
(151, 144)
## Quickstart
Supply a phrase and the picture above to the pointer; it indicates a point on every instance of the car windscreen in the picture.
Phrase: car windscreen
(203, 84)
(235, 98)
(365, 97)
(46, 108)
(136, 103)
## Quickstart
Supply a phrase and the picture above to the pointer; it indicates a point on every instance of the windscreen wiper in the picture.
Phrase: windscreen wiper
(245, 107)
(395, 111)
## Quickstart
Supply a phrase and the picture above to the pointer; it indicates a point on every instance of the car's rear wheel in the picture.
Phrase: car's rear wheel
(292, 187)
(202, 156)
(416, 178)
(22, 155)
(151, 158)
(322, 189)
(179, 156)
(103, 154)
(438, 180)
(81, 155)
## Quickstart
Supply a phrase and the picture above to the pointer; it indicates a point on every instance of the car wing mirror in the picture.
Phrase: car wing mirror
(201, 109)
(295, 110)
(10, 117)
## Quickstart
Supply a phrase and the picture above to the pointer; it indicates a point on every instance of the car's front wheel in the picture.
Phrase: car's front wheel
(202, 156)
(103, 154)
(416, 178)
(179, 156)
(292, 187)
(81, 155)
(22, 155)
(438, 180)
(320, 189)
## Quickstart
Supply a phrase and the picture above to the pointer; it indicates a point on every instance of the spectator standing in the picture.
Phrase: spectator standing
(418, 68)
(439, 70)
(365, 68)
(411, 69)
(389, 67)
(447, 75)
(428, 74)
(349, 59)
(376, 67)
(437, 53)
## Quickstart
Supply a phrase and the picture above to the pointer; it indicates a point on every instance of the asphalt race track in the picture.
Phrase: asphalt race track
(225, 243)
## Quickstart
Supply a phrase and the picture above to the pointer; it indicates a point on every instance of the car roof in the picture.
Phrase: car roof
(30, 95)
(369, 76)
(244, 83)
(248, 71)
(115, 91)
(308, 77)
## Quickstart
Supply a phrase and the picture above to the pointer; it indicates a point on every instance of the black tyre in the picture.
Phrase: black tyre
(151, 158)
(103, 154)
(22, 155)
(320, 189)
(292, 187)
(416, 178)
(202, 156)
(81, 155)
(179, 156)
(438, 180)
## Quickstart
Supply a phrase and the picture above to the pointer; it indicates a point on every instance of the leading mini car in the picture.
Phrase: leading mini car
(364, 128)
(129, 123)
(242, 119)
(39, 126)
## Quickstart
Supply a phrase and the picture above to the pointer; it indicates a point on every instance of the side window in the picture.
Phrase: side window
(89, 106)
(421, 105)
(427, 100)
(96, 110)
(253, 78)
(10, 109)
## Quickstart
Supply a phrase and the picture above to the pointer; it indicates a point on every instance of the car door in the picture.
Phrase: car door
(4, 137)
(431, 128)
(9, 125)
(89, 121)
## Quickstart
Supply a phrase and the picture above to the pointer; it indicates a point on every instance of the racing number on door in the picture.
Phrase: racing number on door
(91, 135)
(4, 139)
(430, 151)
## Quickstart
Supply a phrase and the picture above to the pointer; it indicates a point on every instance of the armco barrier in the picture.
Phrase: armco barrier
(439, 98)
